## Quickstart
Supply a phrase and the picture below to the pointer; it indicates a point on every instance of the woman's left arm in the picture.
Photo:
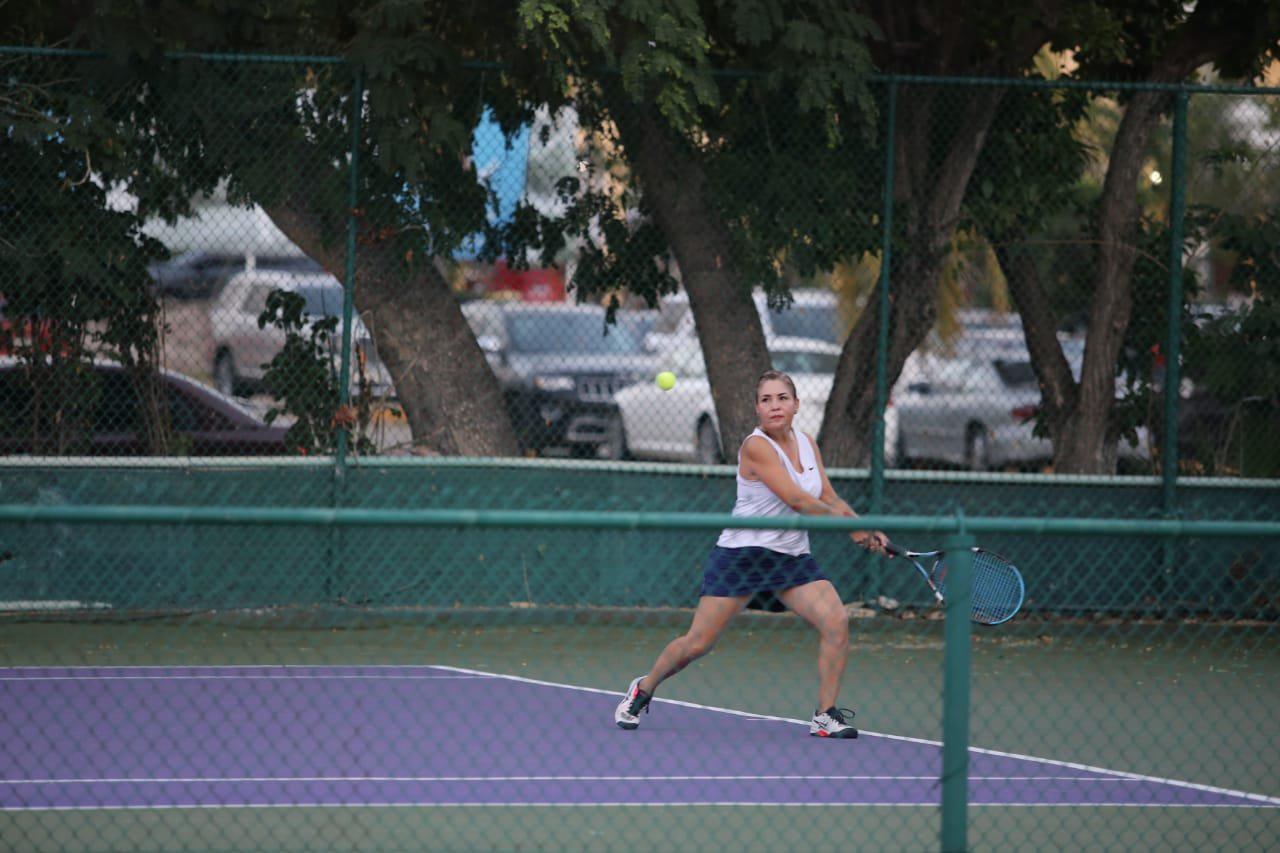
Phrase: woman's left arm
(873, 540)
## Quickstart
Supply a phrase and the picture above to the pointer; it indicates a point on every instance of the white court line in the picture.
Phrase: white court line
(472, 673)
(1212, 789)
(282, 666)
(161, 780)
(611, 805)
(280, 677)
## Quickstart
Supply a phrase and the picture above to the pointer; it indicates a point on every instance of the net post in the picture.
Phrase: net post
(955, 692)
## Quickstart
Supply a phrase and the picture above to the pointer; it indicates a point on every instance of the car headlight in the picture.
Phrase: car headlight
(554, 383)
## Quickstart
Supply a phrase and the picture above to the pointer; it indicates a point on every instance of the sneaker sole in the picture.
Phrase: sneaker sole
(628, 726)
(842, 736)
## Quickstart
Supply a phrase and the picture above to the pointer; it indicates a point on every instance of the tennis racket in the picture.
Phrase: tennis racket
(998, 589)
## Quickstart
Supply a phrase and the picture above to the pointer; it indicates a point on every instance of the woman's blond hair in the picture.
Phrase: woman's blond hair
(776, 374)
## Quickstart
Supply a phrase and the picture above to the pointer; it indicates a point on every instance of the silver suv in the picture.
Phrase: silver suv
(242, 349)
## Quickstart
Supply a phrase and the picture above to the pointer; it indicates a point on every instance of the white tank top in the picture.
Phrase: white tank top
(757, 499)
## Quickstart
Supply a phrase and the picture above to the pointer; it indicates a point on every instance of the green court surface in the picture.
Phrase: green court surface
(1186, 702)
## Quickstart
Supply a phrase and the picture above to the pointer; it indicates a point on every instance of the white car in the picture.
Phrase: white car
(242, 349)
(681, 424)
(977, 408)
(813, 313)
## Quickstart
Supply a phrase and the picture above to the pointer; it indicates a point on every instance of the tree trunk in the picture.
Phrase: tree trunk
(1088, 444)
(929, 202)
(1058, 389)
(913, 309)
(448, 391)
(729, 328)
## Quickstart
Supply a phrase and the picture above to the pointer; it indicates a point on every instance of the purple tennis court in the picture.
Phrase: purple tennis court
(157, 737)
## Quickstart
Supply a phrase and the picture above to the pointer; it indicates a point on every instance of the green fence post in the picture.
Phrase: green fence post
(349, 285)
(336, 562)
(955, 692)
(1173, 344)
(882, 329)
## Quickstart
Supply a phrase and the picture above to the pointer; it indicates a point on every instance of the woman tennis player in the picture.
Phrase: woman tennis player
(780, 473)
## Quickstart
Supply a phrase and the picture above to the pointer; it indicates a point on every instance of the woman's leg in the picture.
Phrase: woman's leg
(709, 621)
(819, 604)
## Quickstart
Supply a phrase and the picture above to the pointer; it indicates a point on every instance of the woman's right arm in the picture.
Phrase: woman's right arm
(761, 462)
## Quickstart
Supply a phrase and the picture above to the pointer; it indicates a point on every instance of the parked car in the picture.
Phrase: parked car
(242, 350)
(681, 424)
(200, 275)
(976, 406)
(559, 367)
(813, 313)
(205, 422)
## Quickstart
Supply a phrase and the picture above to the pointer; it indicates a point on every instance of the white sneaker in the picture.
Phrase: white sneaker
(831, 723)
(636, 700)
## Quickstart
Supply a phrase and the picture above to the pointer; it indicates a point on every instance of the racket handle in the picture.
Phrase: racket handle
(892, 550)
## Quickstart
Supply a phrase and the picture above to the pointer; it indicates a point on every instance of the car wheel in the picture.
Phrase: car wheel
(977, 449)
(615, 440)
(224, 374)
(707, 444)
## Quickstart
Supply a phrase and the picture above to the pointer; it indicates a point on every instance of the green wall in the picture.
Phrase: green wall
(165, 568)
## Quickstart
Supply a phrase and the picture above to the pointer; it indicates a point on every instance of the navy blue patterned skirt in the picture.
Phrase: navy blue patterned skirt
(747, 571)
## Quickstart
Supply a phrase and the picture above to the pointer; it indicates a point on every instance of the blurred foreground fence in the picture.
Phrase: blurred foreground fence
(1134, 696)
(235, 274)
(224, 263)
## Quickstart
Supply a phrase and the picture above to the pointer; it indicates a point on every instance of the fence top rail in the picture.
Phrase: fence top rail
(260, 463)
(267, 58)
(1100, 85)
(908, 79)
(958, 523)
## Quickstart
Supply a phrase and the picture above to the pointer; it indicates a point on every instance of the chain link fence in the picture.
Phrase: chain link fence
(148, 232)
(222, 260)
(188, 667)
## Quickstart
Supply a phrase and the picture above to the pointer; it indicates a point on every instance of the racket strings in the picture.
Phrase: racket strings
(997, 589)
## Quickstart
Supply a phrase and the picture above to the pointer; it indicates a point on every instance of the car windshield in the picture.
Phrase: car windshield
(229, 402)
(638, 323)
(806, 322)
(578, 332)
(324, 301)
(799, 361)
(1015, 372)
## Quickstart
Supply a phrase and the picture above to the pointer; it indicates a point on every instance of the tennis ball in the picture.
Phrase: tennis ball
(666, 380)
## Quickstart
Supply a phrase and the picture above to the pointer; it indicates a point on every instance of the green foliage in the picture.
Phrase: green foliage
(1031, 164)
(798, 130)
(304, 377)
(790, 153)
(1234, 362)
(1126, 40)
(1143, 355)
(75, 274)
(1238, 354)
(176, 123)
